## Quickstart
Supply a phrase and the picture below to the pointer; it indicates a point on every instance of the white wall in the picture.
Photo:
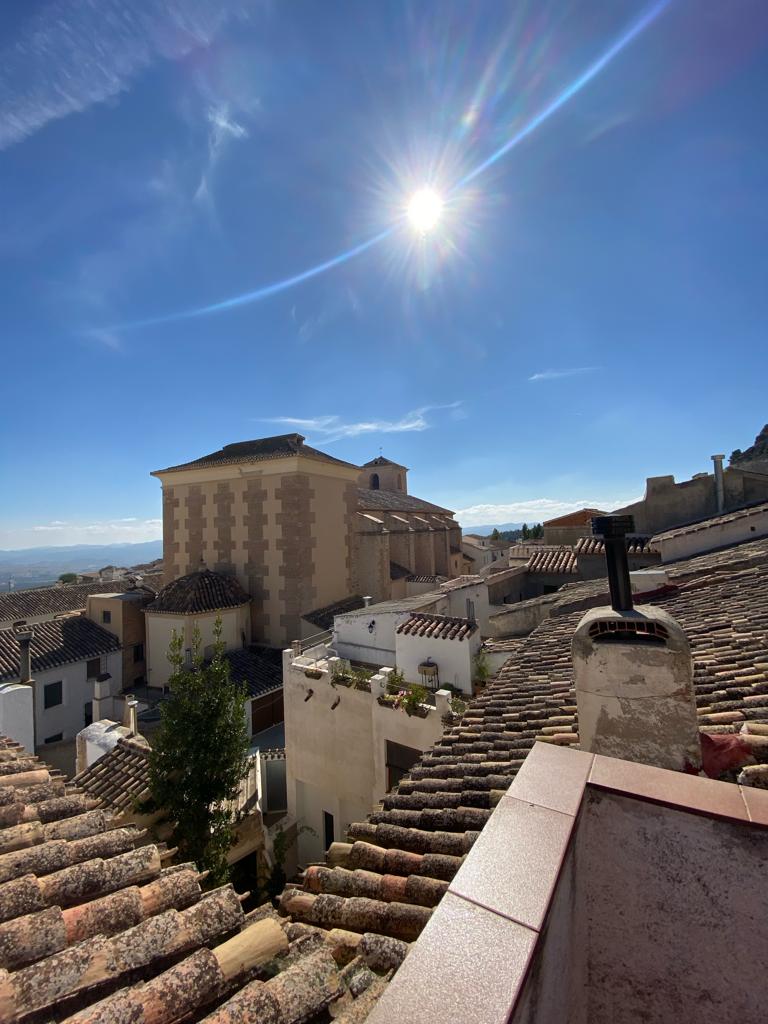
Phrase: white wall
(353, 640)
(747, 527)
(335, 757)
(453, 658)
(16, 714)
(478, 594)
(160, 628)
(68, 717)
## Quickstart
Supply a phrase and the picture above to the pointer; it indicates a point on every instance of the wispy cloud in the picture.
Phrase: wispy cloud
(105, 531)
(222, 129)
(333, 428)
(71, 54)
(557, 374)
(534, 510)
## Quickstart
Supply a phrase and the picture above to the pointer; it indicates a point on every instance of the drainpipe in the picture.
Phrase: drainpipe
(719, 483)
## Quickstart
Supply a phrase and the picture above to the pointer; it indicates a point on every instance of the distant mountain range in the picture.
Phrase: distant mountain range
(484, 531)
(35, 567)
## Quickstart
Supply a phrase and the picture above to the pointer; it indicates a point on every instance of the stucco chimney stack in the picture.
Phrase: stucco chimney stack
(719, 483)
(25, 638)
(634, 674)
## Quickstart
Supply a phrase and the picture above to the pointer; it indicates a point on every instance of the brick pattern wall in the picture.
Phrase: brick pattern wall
(256, 569)
(350, 515)
(296, 542)
(194, 525)
(171, 568)
(223, 521)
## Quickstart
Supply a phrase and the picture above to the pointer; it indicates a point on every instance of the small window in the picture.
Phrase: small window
(138, 653)
(374, 481)
(56, 738)
(327, 829)
(53, 695)
(93, 667)
(88, 712)
(106, 617)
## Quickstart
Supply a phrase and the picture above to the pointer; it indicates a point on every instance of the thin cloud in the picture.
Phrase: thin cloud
(128, 529)
(557, 374)
(534, 510)
(71, 54)
(332, 428)
(222, 129)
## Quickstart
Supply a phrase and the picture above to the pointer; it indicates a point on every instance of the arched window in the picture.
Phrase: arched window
(400, 481)
(374, 481)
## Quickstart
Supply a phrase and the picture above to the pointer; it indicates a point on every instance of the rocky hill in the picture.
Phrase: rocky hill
(756, 457)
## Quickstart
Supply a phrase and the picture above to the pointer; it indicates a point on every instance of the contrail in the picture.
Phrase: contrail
(642, 23)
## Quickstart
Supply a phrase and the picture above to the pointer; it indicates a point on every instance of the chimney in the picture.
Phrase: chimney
(719, 483)
(633, 673)
(367, 602)
(131, 714)
(25, 638)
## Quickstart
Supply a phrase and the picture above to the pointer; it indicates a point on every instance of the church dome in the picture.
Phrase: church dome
(201, 591)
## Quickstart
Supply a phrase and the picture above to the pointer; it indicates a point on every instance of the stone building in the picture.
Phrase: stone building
(299, 529)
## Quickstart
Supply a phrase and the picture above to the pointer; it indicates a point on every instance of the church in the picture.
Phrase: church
(302, 531)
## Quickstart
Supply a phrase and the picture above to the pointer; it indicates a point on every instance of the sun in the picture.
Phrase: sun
(424, 210)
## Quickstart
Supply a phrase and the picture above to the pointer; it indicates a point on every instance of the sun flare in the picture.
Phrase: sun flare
(424, 210)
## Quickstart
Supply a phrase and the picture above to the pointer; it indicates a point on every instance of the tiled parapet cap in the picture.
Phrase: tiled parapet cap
(495, 911)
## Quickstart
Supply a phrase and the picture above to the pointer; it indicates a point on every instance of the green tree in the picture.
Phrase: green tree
(200, 754)
(495, 535)
(525, 533)
(68, 577)
(537, 532)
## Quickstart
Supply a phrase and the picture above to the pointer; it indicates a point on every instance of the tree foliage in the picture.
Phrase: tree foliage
(68, 577)
(200, 754)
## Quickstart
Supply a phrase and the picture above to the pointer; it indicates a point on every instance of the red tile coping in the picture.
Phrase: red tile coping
(497, 903)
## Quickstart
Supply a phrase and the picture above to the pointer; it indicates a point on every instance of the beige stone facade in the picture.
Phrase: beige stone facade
(299, 529)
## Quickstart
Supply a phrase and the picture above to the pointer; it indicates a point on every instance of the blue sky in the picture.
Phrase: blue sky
(590, 309)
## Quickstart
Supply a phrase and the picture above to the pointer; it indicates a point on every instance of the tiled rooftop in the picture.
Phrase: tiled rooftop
(120, 777)
(596, 546)
(437, 627)
(71, 597)
(323, 617)
(561, 561)
(260, 669)
(56, 642)
(96, 927)
(282, 446)
(201, 591)
(397, 865)
(395, 501)
(707, 524)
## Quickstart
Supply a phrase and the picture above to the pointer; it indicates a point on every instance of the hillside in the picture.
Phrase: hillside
(34, 567)
(755, 457)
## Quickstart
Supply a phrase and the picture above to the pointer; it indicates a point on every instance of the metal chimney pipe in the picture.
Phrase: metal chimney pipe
(25, 638)
(719, 483)
(367, 601)
(613, 530)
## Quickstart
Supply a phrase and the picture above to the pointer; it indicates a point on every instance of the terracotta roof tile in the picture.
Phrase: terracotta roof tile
(55, 642)
(437, 627)
(201, 591)
(281, 446)
(395, 501)
(92, 927)
(323, 617)
(426, 826)
(57, 600)
(563, 560)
